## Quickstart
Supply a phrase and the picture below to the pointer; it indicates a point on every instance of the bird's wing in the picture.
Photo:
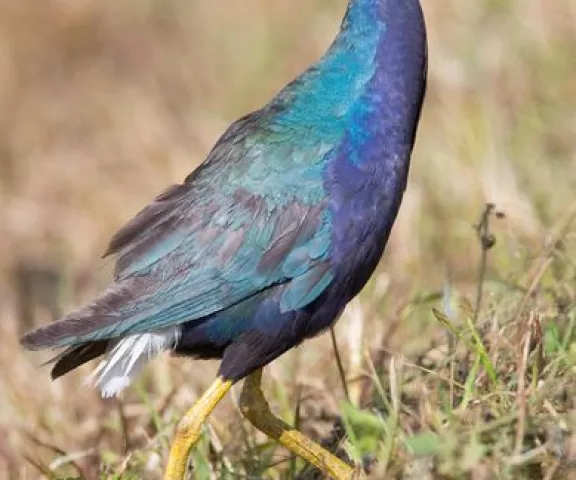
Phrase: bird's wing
(227, 233)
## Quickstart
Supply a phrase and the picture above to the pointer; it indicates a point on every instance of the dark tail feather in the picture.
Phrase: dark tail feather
(91, 323)
(73, 357)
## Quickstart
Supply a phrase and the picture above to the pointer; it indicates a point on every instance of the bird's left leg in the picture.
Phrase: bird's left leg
(255, 408)
(190, 428)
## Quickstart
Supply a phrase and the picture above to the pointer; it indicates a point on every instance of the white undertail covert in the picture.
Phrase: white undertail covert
(127, 356)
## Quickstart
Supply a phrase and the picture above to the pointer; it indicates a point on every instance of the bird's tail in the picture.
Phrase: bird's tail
(95, 330)
(73, 357)
(96, 321)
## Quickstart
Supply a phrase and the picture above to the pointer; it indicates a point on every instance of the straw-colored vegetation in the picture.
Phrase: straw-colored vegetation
(106, 102)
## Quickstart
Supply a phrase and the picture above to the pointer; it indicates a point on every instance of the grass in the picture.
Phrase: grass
(458, 357)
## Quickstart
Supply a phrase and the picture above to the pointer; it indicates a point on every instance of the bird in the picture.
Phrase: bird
(263, 245)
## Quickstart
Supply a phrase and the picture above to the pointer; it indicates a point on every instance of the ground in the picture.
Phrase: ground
(459, 356)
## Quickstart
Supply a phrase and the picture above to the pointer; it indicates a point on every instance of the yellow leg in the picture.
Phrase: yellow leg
(255, 408)
(190, 427)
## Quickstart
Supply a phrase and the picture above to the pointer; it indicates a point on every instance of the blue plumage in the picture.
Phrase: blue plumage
(264, 244)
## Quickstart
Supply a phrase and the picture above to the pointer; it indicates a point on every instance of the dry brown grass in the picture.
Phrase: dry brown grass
(105, 103)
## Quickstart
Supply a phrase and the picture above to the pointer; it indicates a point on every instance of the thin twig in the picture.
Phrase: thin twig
(395, 375)
(218, 448)
(487, 241)
(123, 426)
(297, 421)
(521, 392)
(39, 466)
(543, 266)
(340, 364)
(56, 450)
(452, 337)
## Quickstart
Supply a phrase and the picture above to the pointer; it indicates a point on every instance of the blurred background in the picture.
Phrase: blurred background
(105, 103)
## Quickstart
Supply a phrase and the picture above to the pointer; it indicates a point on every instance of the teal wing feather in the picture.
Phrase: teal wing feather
(246, 220)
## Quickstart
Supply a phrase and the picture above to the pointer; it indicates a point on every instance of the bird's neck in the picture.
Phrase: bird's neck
(377, 55)
(361, 16)
(386, 111)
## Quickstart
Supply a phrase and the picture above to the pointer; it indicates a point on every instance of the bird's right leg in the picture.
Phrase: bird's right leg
(190, 428)
(255, 408)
